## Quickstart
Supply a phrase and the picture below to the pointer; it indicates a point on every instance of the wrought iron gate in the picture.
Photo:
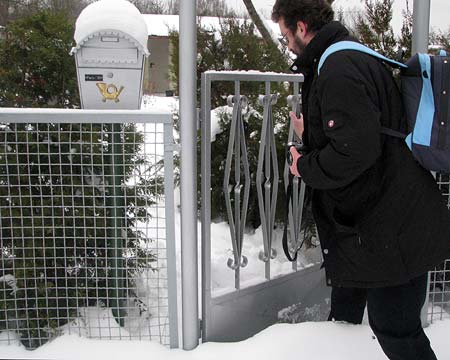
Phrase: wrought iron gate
(250, 171)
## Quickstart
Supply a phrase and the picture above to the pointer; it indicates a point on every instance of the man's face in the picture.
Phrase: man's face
(293, 41)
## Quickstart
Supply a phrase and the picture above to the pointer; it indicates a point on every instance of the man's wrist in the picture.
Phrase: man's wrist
(294, 167)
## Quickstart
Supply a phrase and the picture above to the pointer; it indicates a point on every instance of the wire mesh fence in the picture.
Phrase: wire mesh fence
(83, 231)
(439, 278)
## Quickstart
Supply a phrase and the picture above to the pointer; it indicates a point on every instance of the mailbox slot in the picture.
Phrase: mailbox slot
(109, 55)
(109, 39)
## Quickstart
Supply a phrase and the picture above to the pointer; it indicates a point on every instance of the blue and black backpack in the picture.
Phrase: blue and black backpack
(425, 87)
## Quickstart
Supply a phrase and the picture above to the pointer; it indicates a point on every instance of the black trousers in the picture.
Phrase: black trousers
(394, 316)
(348, 304)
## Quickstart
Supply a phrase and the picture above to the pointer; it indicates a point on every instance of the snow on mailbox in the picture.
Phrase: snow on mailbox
(111, 47)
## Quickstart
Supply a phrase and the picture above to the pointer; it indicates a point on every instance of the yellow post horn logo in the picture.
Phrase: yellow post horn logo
(109, 91)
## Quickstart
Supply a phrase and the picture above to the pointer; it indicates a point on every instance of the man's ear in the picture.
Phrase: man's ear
(302, 27)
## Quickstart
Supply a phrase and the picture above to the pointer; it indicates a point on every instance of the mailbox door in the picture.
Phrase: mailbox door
(110, 88)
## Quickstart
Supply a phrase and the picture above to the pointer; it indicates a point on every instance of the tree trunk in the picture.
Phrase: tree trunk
(259, 23)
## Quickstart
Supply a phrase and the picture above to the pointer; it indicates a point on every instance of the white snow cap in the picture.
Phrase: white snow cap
(107, 15)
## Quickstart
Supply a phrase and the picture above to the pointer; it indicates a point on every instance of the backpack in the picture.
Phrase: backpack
(425, 88)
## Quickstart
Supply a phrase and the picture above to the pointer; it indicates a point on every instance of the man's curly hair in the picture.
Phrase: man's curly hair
(314, 13)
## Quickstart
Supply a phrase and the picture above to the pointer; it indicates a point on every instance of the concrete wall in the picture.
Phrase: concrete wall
(4, 12)
(156, 80)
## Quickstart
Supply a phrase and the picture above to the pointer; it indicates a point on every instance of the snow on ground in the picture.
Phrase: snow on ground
(163, 103)
(306, 341)
(253, 273)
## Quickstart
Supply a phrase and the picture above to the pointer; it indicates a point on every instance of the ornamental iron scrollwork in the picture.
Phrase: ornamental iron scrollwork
(237, 155)
(267, 177)
(298, 186)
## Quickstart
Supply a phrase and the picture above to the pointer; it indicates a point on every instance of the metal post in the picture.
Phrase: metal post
(421, 26)
(421, 29)
(116, 205)
(206, 201)
(188, 127)
(170, 235)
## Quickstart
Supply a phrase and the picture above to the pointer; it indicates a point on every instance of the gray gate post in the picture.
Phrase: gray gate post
(421, 26)
(421, 31)
(188, 127)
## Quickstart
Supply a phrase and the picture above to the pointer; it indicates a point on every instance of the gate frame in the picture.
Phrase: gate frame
(313, 276)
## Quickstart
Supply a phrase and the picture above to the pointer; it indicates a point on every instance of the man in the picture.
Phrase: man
(381, 219)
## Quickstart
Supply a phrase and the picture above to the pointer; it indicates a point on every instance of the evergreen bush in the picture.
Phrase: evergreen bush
(58, 253)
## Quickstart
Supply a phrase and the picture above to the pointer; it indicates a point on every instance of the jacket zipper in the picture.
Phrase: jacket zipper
(443, 102)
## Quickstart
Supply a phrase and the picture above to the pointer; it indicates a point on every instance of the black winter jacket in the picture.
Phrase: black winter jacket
(380, 216)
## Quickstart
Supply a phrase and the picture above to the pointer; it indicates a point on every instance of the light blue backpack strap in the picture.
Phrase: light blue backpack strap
(352, 45)
(408, 141)
(425, 113)
(442, 53)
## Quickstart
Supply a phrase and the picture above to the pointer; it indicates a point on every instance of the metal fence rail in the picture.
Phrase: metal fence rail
(86, 225)
(439, 279)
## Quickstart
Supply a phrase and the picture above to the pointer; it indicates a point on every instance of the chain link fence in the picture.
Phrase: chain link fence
(86, 222)
(439, 278)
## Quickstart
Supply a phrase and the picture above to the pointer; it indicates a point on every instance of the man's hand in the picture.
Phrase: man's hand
(295, 156)
(297, 123)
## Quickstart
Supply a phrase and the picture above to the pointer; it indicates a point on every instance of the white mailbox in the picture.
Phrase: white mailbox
(111, 47)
